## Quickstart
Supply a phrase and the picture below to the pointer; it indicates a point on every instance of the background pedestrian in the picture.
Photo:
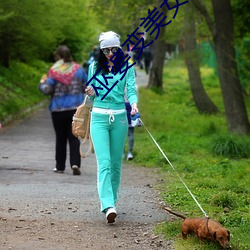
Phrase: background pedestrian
(65, 84)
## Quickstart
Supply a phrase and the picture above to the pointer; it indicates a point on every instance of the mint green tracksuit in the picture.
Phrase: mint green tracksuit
(109, 132)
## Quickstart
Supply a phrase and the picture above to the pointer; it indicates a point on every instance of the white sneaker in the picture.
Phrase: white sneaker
(76, 170)
(58, 171)
(130, 156)
(111, 214)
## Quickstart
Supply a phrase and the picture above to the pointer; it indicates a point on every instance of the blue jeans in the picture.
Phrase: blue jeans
(108, 139)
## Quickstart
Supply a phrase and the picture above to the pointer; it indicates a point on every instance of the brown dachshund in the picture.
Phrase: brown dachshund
(204, 229)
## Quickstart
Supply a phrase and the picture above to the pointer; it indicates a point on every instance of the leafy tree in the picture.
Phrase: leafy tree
(23, 33)
(242, 32)
(28, 33)
(120, 16)
(201, 99)
(171, 34)
(78, 29)
(159, 51)
(222, 32)
(241, 17)
(125, 16)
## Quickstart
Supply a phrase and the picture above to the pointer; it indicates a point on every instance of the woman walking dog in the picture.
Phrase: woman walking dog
(109, 123)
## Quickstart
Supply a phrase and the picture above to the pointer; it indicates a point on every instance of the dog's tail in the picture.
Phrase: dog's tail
(175, 213)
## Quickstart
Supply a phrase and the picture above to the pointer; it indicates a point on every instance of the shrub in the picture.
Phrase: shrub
(231, 146)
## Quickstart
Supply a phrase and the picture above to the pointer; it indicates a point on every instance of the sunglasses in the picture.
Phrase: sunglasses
(106, 51)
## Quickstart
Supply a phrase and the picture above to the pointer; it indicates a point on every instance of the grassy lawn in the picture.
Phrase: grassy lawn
(214, 164)
(19, 88)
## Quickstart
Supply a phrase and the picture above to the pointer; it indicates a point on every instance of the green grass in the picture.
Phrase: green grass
(19, 88)
(214, 164)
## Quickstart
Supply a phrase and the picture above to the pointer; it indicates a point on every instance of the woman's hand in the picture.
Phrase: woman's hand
(43, 79)
(134, 109)
(90, 91)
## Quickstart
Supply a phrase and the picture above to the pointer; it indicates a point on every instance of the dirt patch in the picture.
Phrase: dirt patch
(51, 234)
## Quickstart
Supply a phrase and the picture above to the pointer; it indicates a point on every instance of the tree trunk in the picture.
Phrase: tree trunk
(235, 109)
(159, 51)
(223, 37)
(201, 99)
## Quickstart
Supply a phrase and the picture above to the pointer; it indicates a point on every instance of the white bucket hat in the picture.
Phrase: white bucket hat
(109, 39)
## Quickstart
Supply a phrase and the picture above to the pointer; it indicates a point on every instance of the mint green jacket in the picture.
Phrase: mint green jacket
(115, 98)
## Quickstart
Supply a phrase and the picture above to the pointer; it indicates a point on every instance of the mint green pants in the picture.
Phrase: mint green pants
(108, 136)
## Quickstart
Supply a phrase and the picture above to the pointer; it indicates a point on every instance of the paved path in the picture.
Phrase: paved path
(141, 78)
(27, 160)
(26, 163)
(31, 191)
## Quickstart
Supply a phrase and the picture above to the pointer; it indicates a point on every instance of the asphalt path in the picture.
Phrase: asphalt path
(31, 190)
(26, 176)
